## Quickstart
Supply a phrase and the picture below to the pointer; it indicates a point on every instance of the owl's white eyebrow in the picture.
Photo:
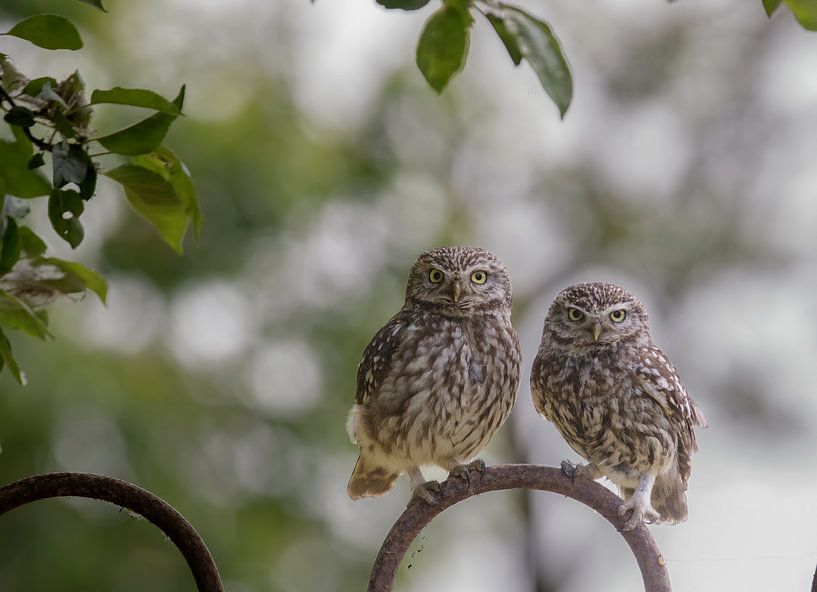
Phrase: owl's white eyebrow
(579, 308)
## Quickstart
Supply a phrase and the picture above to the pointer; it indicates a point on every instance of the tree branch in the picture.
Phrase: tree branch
(418, 514)
(126, 495)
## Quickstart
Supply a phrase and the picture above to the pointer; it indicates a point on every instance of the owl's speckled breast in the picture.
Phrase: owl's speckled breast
(594, 403)
(451, 386)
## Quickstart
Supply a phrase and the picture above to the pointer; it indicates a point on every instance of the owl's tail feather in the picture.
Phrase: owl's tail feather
(669, 498)
(370, 480)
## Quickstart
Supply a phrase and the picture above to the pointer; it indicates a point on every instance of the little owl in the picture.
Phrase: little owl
(440, 378)
(617, 400)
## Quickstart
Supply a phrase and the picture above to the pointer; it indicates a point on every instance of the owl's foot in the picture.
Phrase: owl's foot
(463, 471)
(640, 504)
(588, 471)
(477, 465)
(642, 512)
(429, 492)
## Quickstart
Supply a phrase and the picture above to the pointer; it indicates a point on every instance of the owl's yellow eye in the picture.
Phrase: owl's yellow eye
(435, 276)
(479, 277)
(574, 314)
(618, 315)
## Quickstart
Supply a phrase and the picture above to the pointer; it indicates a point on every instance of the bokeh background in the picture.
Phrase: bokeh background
(684, 170)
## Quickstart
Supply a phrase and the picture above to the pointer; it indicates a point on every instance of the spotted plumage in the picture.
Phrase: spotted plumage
(617, 399)
(439, 379)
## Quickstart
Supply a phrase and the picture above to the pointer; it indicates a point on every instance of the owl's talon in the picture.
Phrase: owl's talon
(464, 471)
(642, 512)
(433, 486)
(569, 470)
(633, 520)
(477, 465)
(588, 471)
(630, 524)
(637, 518)
(461, 472)
(429, 492)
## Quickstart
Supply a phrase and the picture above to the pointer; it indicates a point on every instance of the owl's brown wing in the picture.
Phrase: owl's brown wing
(377, 357)
(659, 380)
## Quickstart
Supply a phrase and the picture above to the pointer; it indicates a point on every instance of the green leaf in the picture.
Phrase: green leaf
(443, 46)
(34, 87)
(135, 97)
(508, 39)
(77, 278)
(49, 31)
(16, 314)
(543, 52)
(403, 4)
(9, 361)
(10, 246)
(19, 116)
(144, 136)
(64, 210)
(40, 281)
(770, 6)
(31, 244)
(88, 185)
(805, 11)
(151, 187)
(35, 161)
(95, 4)
(155, 199)
(14, 172)
(164, 162)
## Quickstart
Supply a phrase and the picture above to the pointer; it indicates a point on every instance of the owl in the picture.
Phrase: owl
(440, 378)
(617, 400)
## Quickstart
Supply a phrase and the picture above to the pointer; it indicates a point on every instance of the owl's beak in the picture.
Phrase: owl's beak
(457, 293)
(596, 331)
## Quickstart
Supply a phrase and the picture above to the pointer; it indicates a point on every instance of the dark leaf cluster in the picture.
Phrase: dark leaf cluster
(51, 122)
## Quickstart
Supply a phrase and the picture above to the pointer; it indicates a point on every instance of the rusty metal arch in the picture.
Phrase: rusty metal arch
(125, 495)
(520, 476)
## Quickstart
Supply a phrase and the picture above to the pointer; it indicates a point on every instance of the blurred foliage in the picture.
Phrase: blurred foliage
(56, 119)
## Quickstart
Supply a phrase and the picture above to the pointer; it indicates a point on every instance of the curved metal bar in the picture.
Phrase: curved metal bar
(418, 514)
(126, 495)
